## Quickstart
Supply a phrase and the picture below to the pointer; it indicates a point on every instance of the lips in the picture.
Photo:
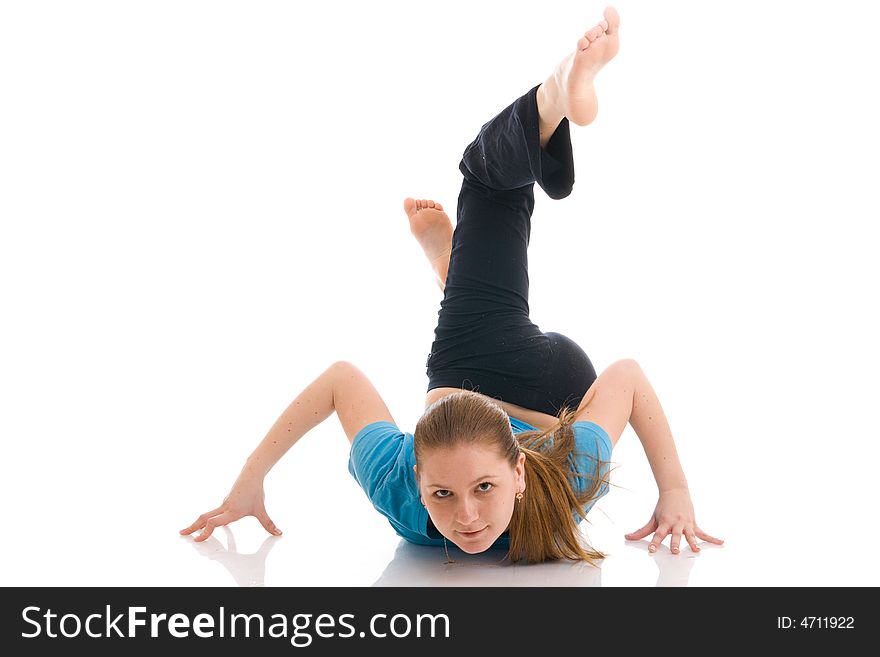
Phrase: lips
(473, 534)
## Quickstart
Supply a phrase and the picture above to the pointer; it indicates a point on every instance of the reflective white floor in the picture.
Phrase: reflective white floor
(122, 531)
(768, 552)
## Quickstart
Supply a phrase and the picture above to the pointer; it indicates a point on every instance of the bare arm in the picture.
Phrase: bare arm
(622, 394)
(311, 407)
(342, 388)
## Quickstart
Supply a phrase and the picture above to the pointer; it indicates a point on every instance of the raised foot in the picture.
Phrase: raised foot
(573, 77)
(431, 227)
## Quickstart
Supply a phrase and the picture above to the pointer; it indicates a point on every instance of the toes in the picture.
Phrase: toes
(594, 33)
(590, 37)
(613, 20)
(412, 205)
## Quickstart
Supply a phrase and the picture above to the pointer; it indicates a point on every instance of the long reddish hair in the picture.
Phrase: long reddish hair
(543, 526)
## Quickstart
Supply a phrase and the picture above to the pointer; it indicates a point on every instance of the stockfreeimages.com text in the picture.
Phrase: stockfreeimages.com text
(300, 629)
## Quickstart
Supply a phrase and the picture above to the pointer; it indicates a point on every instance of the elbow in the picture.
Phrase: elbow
(341, 366)
(628, 365)
(344, 370)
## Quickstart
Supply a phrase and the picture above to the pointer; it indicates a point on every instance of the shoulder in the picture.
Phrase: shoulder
(381, 461)
(379, 451)
(591, 457)
(519, 426)
(592, 436)
(376, 434)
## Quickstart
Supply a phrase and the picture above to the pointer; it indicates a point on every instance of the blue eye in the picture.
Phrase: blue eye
(437, 494)
(485, 490)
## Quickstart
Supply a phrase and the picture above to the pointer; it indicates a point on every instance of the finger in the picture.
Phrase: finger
(268, 524)
(213, 523)
(675, 541)
(201, 520)
(644, 531)
(659, 535)
(189, 530)
(706, 537)
(691, 539)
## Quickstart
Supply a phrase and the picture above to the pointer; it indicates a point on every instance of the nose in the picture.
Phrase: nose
(466, 513)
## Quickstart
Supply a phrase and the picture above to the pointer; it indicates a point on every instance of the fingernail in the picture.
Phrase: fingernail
(651, 548)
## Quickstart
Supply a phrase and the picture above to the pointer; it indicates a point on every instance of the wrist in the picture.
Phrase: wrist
(254, 469)
(679, 488)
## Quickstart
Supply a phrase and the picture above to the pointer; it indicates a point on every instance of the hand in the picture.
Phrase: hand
(674, 515)
(245, 499)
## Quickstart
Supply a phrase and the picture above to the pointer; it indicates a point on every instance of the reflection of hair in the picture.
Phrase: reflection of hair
(542, 527)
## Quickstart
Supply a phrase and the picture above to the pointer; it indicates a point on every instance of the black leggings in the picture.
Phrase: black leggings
(484, 339)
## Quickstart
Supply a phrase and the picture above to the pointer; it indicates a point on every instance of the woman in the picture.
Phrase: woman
(513, 448)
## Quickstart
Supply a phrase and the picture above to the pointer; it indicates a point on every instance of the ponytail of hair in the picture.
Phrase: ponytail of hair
(542, 527)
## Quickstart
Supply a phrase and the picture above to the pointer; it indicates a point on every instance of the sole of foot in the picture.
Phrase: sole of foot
(430, 225)
(574, 75)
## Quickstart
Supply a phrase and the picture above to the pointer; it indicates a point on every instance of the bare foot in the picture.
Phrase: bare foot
(574, 93)
(431, 227)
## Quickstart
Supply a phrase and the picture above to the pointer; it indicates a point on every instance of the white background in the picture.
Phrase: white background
(201, 207)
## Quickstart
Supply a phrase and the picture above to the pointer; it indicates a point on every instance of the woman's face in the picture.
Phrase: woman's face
(469, 491)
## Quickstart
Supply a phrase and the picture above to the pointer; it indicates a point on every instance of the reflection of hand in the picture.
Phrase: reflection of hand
(674, 516)
(675, 569)
(246, 569)
(245, 499)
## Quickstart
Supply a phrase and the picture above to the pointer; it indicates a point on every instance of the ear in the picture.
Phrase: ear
(416, 471)
(520, 471)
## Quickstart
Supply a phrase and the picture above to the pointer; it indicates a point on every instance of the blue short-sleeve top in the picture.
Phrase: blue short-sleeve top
(382, 460)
